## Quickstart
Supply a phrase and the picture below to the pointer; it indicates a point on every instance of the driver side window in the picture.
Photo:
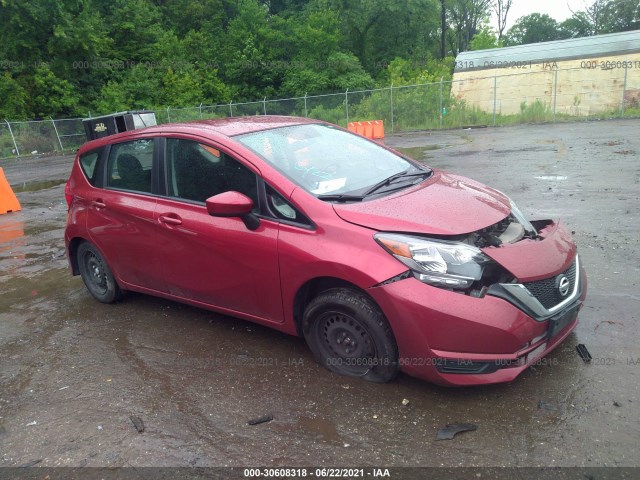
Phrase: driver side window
(197, 171)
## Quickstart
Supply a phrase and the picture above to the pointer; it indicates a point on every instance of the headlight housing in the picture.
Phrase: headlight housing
(439, 263)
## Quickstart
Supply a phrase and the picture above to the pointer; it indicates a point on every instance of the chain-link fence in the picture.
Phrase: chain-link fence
(478, 98)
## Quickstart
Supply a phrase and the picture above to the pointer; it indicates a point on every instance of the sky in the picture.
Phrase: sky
(557, 9)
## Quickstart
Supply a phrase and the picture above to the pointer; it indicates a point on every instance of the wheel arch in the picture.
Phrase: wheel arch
(74, 243)
(311, 289)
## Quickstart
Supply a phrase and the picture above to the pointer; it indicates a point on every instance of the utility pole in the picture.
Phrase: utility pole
(443, 27)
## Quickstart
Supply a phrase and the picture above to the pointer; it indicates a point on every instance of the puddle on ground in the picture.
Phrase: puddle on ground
(49, 283)
(319, 428)
(418, 153)
(35, 186)
(34, 230)
(9, 231)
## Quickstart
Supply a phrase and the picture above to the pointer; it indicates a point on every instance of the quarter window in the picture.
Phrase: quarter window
(282, 209)
(130, 165)
(88, 162)
(196, 172)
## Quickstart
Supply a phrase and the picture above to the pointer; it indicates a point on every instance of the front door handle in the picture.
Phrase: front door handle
(170, 219)
(98, 203)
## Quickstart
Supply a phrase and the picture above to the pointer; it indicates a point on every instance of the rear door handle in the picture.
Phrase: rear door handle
(98, 204)
(170, 219)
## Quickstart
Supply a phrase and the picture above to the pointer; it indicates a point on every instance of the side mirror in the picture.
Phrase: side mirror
(233, 204)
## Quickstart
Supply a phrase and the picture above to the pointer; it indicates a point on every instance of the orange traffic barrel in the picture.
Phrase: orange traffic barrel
(368, 130)
(378, 129)
(357, 127)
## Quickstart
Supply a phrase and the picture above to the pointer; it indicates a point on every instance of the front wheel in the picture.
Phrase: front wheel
(349, 335)
(97, 275)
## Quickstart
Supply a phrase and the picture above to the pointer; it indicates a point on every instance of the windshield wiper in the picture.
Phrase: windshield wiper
(388, 181)
(344, 197)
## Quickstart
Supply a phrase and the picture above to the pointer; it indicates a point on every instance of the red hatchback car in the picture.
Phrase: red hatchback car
(381, 263)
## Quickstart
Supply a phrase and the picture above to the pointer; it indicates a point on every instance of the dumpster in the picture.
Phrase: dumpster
(98, 127)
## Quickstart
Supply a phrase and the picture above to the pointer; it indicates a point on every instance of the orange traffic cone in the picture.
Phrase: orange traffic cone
(8, 200)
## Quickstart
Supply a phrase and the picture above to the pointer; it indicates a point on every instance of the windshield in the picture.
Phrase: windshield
(329, 162)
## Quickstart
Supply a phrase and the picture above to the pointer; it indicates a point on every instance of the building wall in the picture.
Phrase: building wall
(584, 86)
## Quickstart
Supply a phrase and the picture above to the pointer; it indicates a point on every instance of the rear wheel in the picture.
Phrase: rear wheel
(349, 335)
(97, 275)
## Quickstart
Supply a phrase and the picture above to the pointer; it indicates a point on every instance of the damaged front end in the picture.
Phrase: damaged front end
(506, 295)
(512, 229)
(532, 265)
(459, 263)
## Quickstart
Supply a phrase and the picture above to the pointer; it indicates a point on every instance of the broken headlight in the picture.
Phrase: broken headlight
(439, 263)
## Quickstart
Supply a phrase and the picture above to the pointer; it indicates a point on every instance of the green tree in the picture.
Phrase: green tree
(484, 40)
(14, 98)
(51, 95)
(26, 29)
(576, 26)
(285, 7)
(532, 29)
(63, 57)
(184, 16)
(622, 16)
(135, 27)
(256, 53)
(412, 32)
(610, 16)
(140, 87)
(180, 89)
(466, 18)
(405, 72)
(501, 9)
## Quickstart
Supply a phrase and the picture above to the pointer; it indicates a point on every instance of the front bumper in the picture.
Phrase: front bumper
(454, 339)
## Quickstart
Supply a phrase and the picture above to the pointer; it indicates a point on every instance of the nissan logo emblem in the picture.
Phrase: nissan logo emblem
(563, 285)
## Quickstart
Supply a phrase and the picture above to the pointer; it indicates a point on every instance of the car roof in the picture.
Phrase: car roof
(229, 126)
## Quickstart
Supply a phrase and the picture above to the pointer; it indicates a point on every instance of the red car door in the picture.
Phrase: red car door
(120, 216)
(213, 260)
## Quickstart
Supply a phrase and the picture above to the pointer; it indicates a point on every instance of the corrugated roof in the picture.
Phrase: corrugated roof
(549, 52)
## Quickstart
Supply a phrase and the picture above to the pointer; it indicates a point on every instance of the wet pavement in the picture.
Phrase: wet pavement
(73, 371)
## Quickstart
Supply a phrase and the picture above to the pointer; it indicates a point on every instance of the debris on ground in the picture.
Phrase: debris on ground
(451, 430)
(259, 420)
(31, 424)
(616, 404)
(137, 422)
(608, 322)
(552, 407)
(405, 402)
(30, 464)
(584, 353)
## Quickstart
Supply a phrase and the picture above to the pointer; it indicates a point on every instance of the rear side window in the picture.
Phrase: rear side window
(88, 162)
(129, 166)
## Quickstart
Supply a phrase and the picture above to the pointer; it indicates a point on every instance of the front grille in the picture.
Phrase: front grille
(546, 291)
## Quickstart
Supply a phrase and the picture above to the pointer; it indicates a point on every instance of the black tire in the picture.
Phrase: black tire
(349, 335)
(97, 275)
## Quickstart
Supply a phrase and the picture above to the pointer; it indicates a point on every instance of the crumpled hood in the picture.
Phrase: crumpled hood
(445, 204)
